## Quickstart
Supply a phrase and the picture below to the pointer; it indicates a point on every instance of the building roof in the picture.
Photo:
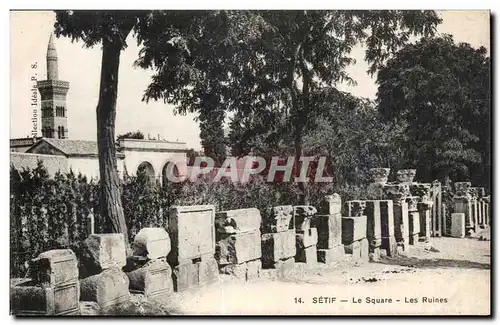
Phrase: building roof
(73, 148)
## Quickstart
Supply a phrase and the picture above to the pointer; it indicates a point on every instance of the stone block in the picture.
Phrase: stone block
(424, 210)
(375, 191)
(464, 205)
(458, 225)
(151, 242)
(238, 248)
(192, 232)
(364, 250)
(414, 239)
(100, 252)
(332, 204)
(235, 221)
(285, 267)
(154, 279)
(329, 228)
(55, 267)
(353, 229)
(374, 255)
(414, 223)
(303, 215)
(332, 255)
(401, 227)
(406, 175)
(386, 218)
(355, 208)
(380, 175)
(354, 249)
(373, 221)
(247, 271)
(278, 246)
(421, 190)
(307, 255)
(239, 271)
(462, 188)
(307, 238)
(185, 276)
(390, 245)
(253, 269)
(108, 288)
(208, 271)
(374, 243)
(30, 299)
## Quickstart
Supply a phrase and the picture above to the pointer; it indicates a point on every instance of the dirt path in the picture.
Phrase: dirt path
(453, 277)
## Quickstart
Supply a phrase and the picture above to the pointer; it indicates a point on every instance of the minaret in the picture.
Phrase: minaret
(53, 93)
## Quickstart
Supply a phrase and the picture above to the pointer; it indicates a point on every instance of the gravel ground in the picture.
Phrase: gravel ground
(448, 276)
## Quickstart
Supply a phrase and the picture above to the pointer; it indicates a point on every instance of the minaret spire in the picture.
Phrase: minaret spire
(53, 93)
(52, 69)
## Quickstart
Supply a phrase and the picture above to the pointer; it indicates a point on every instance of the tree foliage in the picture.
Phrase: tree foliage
(271, 60)
(131, 135)
(441, 90)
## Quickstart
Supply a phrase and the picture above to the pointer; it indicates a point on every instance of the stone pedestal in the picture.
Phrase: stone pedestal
(100, 252)
(398, 194)
(108, 288)
(192, 233)
(353, 229)
(277, 246)
(388, 239)
(458, 225)
(401, 224)
(154, 279)
(306, 237)
(147, 269)
(359, 250)
(424, 210)
(377, 213)
(27, 298)
(238, 248)
(413, 220)
(436, 212)
(247, 271)
(406, 175)
(196, 272)
(463, 205)
(332, 255)
(53, 288)
(329, 227)
(280, 219)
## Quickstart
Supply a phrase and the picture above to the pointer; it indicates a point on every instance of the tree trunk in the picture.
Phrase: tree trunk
(304, 194)
(110, 200)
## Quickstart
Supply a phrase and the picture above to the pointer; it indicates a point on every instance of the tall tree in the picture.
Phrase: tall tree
(442, 90)
(109, 28)
(279, 60)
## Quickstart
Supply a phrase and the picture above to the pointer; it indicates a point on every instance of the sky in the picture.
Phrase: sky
(29, 35)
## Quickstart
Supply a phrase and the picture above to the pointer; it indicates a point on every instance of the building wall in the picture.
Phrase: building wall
(89, 166)
(30, 160)
(157, 159)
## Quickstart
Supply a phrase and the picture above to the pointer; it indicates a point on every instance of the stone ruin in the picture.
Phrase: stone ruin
(354, 231)
(53, 289)
(329, 228)
(199, 244)
(278, 240)
(103, 258)
(238, 250)
(471, 210)
(192, 235)
(147, 269)
(305, 235)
